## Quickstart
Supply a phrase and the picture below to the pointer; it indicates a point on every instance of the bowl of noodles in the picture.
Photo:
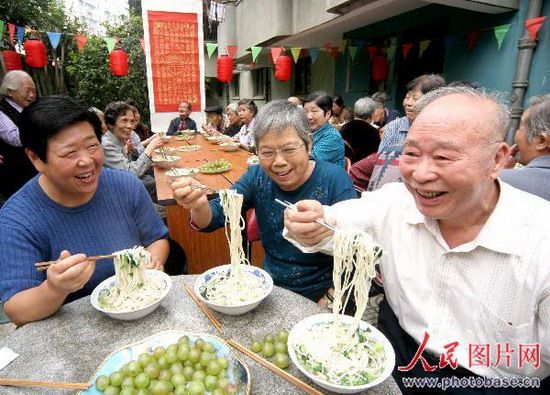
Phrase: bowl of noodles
(337, 358)
(233, 294)
(134, 291)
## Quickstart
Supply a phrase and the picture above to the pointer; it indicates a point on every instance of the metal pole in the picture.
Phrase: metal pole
(521, 79)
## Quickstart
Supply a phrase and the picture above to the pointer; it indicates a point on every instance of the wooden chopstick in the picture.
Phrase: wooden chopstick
(203, 187)
(41, 266)
(46, 384)
(204, 309)
(293, 207)
(280, 372)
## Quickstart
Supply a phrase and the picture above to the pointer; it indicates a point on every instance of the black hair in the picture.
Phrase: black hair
(338, 101)
(322, 99)
(115, 110)
(426, 83)
(48, 116)
(250, 104)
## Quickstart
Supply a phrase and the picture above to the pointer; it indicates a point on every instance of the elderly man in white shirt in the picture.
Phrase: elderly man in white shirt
(466, 257)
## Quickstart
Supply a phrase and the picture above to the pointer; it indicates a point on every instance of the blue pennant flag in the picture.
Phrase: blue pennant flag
(54, 39)
(20, 34)
(313, 52)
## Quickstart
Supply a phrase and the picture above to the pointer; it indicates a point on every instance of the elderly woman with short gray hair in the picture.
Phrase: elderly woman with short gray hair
(285, 172)
(361, 138)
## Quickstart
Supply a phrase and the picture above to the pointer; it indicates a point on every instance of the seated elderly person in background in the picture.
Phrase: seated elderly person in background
(183, 122)
(73, 209)
(285, 172)
(124, 152)
(328, 144)
(360, 137)
(533, 143)
(232, 120)
(17, 91)
(247, 112)
(465, 256)
(382, 114)
(340, 114)
(214, 119)
(296, 101)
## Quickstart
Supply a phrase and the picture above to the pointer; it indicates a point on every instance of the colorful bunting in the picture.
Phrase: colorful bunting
(232, 51)
(423, 46)
(295, 53)
(80, 41)
(11, 31)
(275, 53)
(1, 28)
(352, 52)
(210, 48)
(111, 42)
(405, 49)
(373, 51)
(54, 39)
(342, 45)
(255, 52)
(20, 34)
(391, 52)
(533, 25)
(471, 39)
(313, 53)
(500, 33)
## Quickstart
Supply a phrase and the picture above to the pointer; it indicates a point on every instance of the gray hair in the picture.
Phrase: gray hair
(537, 120)
(12, 81)
(364, 108)
(501, 115)
(380, 97)
(233, 107)
(278, 115)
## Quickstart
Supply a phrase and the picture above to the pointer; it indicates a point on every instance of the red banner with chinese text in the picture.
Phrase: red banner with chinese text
(174, 60)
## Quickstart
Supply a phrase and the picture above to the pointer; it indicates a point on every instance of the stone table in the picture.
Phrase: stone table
(71, 345)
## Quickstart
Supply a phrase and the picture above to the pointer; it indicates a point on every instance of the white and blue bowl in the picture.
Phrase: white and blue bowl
(224, 270)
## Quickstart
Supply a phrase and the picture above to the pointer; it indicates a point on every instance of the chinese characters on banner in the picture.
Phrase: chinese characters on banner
(174, 59)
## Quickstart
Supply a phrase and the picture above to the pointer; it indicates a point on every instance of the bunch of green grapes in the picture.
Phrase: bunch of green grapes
(181, 368)
(274, 348)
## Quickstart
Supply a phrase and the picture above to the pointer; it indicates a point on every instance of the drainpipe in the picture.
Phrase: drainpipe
(521, 80)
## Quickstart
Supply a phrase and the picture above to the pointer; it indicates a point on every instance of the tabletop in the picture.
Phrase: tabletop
(71, 345)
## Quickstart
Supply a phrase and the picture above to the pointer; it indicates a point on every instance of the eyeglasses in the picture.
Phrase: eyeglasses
(286, 152)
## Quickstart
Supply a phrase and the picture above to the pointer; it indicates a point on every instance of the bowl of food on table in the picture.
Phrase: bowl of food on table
(188, 132)
(134, 291)
(253, 160)
(135, 368)
(338, 357)
(183, 137)
(188, 148)
(233, 292)
(229, 146)
(215, 166)
(165, 150)
(215, 139)
(165, 161)
(178, 172)
(164, 137)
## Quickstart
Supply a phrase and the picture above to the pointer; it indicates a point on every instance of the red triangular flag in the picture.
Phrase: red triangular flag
(533, 25)
(11, 30)
(405, 49)
(334, 52)
(80, 41)
(142, 43)
(373, 51)
(471, 39)
(232, 51)
(275, 53)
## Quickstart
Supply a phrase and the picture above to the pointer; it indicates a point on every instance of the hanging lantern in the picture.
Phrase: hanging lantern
(35, 53)
(118, 62)
(12, 60)
(225, 68)
(380, 68)
(283, 68)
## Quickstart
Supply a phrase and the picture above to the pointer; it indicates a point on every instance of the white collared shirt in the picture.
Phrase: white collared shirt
(492, 290)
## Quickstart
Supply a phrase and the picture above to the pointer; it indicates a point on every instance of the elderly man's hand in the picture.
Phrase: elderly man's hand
(187, 197)
(70, 273)
(301, 225)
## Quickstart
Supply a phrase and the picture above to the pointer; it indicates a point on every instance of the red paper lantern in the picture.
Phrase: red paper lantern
(118, 62)
(380, 68)
(283, 68)
(35, 53)
(224, 68)
(12, 60)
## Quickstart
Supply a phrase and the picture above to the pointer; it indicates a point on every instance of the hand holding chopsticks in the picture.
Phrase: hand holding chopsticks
(291, 206)
(41, 266)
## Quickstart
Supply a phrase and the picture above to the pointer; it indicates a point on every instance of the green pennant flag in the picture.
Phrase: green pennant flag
(342, 45)
(390, 52)
(295, 53)
(423, 46)
(210, 48)
(500, 33)
(110, 41)
(352, 52)
(255, 52)
(1, 29)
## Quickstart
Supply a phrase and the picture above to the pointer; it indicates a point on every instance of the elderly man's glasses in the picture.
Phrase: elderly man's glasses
(286, 152)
